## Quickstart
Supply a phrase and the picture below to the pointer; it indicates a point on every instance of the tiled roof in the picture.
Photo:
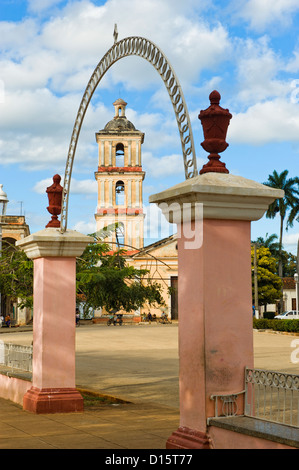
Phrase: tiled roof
(288, 283)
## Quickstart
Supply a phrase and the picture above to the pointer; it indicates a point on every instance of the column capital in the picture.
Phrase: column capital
(51, 242)
(223, 196)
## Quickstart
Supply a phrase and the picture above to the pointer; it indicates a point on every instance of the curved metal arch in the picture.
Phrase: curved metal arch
(146, 49)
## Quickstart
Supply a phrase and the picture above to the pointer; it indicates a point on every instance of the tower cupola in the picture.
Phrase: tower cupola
(120, 176)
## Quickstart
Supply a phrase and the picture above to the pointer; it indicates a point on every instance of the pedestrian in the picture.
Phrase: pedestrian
(7, 320)
(77, 317)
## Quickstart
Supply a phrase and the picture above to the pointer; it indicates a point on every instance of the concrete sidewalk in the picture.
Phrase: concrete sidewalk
(122, 426)
(120, 362)
(107, 361)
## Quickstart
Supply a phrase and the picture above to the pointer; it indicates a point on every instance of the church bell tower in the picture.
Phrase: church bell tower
(120, 178)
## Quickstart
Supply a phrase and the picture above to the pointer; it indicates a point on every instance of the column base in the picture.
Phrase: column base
(53, 400)
(186, 438)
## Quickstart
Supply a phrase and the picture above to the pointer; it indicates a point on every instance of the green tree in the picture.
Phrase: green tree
(104, 279)
(287, 207)
(289, 263)
(269, 242)
(16, 275)
(288, 259)
(269, 283)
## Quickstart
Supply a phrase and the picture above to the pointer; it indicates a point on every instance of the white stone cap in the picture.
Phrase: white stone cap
(223, 196)
(51, 242)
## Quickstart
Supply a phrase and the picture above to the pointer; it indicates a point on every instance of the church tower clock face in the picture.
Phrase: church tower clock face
(120, 177)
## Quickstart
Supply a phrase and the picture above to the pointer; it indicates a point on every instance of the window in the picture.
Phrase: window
(120, 193)
(120, 234)
(119, 155)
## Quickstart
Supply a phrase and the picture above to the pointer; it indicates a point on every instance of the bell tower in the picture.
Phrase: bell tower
(120, 178)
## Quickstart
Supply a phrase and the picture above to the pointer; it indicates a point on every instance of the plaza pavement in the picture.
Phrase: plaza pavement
(135, 363)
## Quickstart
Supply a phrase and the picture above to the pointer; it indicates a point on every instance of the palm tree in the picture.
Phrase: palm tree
(269, 242)
(288, 206)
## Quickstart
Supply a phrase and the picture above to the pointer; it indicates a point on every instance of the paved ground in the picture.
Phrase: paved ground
(138, 363)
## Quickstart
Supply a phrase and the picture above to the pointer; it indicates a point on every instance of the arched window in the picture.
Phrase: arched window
(120, 234)
(120, 193)
(119, 155)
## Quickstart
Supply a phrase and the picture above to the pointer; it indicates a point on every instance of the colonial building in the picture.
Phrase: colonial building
(289, 294)
(161, 261)
(120, 199)
(13, 228)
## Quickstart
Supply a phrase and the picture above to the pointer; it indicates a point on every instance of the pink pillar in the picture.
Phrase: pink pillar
(53, 377)
(214, 288)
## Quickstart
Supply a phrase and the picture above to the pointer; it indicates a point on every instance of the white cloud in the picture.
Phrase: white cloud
(262, 13)
(37, 6)
(86, 187)
(270, 121)
(17, 37)
(159, 167)
(45, 67)
(290, 242)
(85, 227)
(257, 70)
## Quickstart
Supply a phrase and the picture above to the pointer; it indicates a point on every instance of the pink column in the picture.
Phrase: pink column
(214, 289)
(53, 378)
(215, 319)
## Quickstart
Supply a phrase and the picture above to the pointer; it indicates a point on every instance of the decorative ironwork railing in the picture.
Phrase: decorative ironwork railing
(268, 395)
(272, 396)
(16, 357)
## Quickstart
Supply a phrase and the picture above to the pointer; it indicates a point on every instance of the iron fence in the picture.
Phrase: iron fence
(16, 357)
(272, 396)
(268, 395)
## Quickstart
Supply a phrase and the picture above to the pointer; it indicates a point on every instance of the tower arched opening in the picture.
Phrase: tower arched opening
(119, 155)
(120, 193)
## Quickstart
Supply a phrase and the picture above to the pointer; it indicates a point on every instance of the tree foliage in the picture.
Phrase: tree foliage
(269, 283)
(16, 275)
(104, 279)
(288, 260)
(286, 207)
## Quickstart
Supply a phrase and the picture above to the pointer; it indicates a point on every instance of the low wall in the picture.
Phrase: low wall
(14, 386)
(241, 432)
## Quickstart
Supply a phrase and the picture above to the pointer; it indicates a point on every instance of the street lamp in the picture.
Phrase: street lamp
(3, 202)
(3, 205)
(296, 282)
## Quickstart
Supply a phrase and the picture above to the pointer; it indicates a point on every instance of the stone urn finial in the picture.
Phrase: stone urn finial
(215, 121)
(55, 198)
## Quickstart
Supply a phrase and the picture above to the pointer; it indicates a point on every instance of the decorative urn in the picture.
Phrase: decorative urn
(215, 121)
(55, 198)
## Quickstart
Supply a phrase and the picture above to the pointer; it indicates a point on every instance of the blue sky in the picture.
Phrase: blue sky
(247, 49)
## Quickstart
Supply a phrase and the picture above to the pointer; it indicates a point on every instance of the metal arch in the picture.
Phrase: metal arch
(149, 51)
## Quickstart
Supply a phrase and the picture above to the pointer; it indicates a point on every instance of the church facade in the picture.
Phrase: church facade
(120, 179)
